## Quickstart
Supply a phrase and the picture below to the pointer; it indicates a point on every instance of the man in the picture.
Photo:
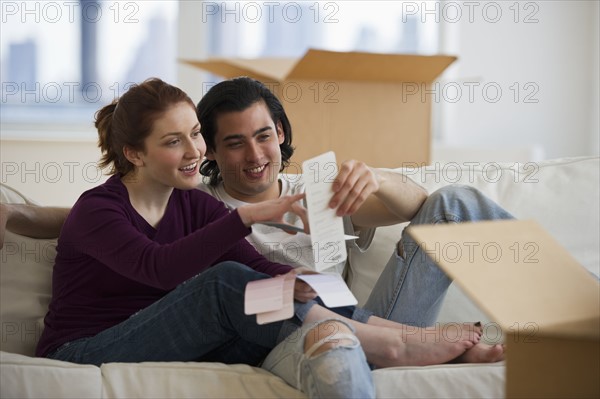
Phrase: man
(249, 141)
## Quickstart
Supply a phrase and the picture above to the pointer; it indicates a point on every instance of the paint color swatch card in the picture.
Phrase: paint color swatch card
(264, 295)
(331, 288)
(326, 228)
(270, 299)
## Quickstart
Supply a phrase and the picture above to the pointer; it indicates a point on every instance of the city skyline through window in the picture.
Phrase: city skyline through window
(61, 61)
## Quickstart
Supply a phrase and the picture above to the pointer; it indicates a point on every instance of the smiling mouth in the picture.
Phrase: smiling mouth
(257, 169)
(189, 168)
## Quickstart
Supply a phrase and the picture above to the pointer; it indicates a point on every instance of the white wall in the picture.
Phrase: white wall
(595, 81)
(557, 55)
(191, 45)
(50, 172)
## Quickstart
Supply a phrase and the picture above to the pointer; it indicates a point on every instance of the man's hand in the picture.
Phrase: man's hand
(375, 197)
(354, 183)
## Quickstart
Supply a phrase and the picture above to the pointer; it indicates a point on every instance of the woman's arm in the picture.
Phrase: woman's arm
(107, 231)
(273, 210)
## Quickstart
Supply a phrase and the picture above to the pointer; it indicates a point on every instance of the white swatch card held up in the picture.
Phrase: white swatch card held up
(326, 229)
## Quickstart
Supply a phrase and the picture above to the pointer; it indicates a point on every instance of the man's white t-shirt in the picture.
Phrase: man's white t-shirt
(281, 247)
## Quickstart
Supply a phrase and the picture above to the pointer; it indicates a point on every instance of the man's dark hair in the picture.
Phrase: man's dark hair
(237, 95)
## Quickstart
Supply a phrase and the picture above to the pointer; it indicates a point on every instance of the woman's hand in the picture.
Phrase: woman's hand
(303, 292)
(274, 210)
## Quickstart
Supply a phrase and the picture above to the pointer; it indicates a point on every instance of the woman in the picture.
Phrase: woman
(150, 270)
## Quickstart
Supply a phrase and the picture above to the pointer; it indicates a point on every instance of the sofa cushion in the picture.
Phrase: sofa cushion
(442, 381)
(25, 285)
(192, 380)
(9, 195)
(27, 377)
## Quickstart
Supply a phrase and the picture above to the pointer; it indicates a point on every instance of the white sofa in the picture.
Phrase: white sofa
(562, 195)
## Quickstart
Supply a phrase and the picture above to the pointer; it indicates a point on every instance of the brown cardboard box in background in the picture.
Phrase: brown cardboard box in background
(372, 107)
(547, 305)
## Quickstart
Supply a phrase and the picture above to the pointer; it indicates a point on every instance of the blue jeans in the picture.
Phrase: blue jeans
(341, 372)
(412, 287)
(201, 320)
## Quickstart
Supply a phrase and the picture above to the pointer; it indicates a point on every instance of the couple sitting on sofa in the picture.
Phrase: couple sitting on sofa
(142, 257)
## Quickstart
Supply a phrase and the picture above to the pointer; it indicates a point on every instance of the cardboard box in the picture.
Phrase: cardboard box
(547, 305)
(372, 107)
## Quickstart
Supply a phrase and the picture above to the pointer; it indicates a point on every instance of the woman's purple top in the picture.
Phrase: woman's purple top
(111, 263)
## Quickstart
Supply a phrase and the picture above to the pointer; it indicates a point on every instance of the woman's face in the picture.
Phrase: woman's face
(173, 150)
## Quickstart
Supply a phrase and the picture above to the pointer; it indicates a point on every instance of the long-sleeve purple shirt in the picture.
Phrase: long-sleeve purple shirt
(111, 263)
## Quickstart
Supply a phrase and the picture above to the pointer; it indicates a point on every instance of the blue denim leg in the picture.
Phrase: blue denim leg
(340, 372)
(349, 312)
(201, 319)
(411, 288)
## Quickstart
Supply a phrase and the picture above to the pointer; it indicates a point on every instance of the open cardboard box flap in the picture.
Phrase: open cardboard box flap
(546, 303)
(336, 99)
(322, 64)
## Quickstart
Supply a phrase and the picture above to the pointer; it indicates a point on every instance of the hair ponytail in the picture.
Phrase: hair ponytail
(104, 118)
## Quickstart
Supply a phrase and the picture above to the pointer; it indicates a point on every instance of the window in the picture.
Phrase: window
(61, 61)
(289, 28)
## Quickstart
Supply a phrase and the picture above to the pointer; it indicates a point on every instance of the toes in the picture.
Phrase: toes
(482, 353)
(499, 350)
(475, 327)
(493, 354)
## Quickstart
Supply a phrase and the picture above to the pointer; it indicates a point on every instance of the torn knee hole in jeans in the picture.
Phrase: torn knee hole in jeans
(325, 337)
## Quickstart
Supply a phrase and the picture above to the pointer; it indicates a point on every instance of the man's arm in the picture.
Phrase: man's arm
(32, 221)
(375, 197)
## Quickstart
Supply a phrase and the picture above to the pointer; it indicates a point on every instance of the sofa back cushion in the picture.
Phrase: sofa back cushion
(25, 285)
(562, 195)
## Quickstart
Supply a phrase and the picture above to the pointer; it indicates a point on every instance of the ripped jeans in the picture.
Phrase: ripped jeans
(339, 372)
(412, 287)
(203, 320)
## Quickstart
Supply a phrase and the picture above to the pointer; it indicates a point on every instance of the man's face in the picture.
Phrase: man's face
(248, 154)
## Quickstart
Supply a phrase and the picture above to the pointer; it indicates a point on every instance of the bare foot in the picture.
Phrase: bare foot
(446, 329)
(482, 353)
(387, 346)
(412, 330)
(426, 346)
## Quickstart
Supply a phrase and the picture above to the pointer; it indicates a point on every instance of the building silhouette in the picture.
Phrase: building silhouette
(153, 56)
(21, 64)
